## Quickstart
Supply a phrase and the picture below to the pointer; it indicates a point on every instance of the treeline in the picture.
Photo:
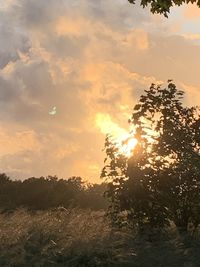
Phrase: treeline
(50, 192)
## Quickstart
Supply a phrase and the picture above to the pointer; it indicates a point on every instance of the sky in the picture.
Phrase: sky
(71, 72)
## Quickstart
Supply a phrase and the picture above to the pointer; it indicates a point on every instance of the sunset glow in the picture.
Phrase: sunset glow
(72, 71)
(124, 140)
(99, 133)
(127, 146)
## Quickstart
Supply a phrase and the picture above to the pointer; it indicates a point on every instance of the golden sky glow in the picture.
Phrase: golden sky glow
(91, 60)
(107, 126)
(123, 138)
(127, 146)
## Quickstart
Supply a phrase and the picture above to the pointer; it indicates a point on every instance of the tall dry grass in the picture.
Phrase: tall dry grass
(84, 238)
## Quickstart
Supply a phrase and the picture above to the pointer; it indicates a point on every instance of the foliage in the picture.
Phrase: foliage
(164, 6)
(44, 193)
(161, 181)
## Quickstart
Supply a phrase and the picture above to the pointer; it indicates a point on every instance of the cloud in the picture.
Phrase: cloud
(138, 37)
(90, 59)
(12, 41)
(192, 37)
(192, 94)
(19, 141)
(192, 12)
(107, 126)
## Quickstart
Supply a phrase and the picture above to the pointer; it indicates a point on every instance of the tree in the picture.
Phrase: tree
(93, 197)
(161, 180)
(164, 6)
(9, 197)
(50, 192)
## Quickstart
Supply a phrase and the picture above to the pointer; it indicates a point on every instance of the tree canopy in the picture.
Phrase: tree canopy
(50, 192)
(164, 6)
(160, 182)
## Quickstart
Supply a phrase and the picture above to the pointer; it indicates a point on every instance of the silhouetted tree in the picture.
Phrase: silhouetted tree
(161, 181)
(93, 197)
(164, 6)
(44, 193)
(50, 192)
(9, 197)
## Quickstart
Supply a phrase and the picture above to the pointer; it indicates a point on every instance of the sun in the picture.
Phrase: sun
(124, 140)
(126, 147)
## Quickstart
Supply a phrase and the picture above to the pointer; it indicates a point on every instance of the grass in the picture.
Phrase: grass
(84, 238)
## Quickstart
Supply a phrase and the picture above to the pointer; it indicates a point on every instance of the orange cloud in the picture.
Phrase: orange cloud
(72, 26)
(66, 150)
(19, 141)
(192, 12)
(138, 37)
(106, 125)
(192, 37)
(192, 94)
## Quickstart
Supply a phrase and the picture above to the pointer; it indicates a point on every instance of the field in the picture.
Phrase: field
(85, 238)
